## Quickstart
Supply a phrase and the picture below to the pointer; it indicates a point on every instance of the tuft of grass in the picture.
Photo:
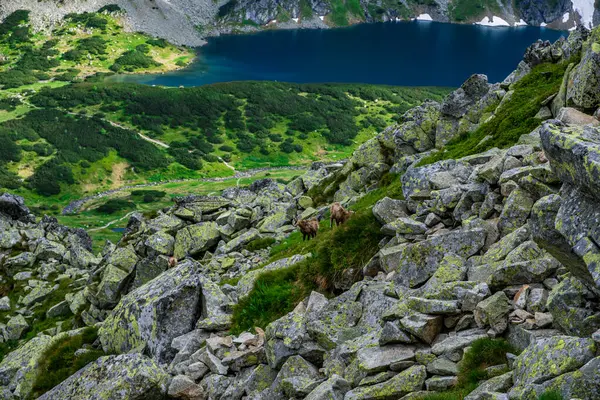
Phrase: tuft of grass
(551, 395)
(259, 244)
(339, 13)
(275, 293)
(335, 251)
(59, 361)
(514, 119)
(482, 354)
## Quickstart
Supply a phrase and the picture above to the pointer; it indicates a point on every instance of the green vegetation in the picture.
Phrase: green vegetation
(114, 205)
(33, 57)
(60, 360)
(515, 118)
(469, 10)
(305, 9)
(483, 353)
(551, 395)
(335, 253)
(259, 244)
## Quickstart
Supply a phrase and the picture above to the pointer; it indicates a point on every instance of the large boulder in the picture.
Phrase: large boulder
(548, 358)
(416, 263)
(195, 239)
(150, 317)
(13, 207)
(584, 86)
(408, 381)
(126, 376)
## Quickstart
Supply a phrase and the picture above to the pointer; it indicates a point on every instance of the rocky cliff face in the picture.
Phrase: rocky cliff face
(500, 244)
(189, 21)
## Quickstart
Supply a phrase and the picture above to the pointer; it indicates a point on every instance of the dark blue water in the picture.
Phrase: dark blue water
(414, 53)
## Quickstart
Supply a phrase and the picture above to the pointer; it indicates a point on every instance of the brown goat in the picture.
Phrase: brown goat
(338, 214)
(308, 227)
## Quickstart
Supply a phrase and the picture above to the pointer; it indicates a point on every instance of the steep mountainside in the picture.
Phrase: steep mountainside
(469, 268)
(188, 21)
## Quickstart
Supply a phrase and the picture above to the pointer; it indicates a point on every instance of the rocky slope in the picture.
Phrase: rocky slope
(188, 21)
(501, 244)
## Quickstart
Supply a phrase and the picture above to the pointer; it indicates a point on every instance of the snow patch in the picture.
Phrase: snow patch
(494, 21)
(424, 17)
(321, 17)
(565, 17)
(296, 20)
(585, 9)
(543, 24)
(521, 23)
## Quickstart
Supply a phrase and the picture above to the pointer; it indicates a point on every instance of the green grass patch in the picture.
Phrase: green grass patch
(59, 361)
(334, 252)
(275, 293)
(260, 244)
(339, 13)
(515, 118)
(467, 10)
(305, 9)
(483, 353)
(551, 395)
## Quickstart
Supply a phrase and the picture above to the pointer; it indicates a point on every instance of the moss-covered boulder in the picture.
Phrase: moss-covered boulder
(195, 239)
(570, 308)
(124, 258)
(126, 376)
(150, 317)
(548, 358)
(416, 263)
(516, 210)
(584, 86)
(410, 380)
(161, 243)
(109, 289)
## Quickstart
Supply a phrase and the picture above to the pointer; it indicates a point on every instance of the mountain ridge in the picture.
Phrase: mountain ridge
(190, 22)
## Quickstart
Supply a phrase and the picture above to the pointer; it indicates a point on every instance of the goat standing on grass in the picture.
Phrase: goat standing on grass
(338, 214)
(308, 227)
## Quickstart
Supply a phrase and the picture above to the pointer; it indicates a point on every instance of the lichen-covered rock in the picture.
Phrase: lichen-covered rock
(161, 242)
(195, 239)
(109, 289)
(574, 153)
(549, 358)
(583, 383)
(515, 212)
(404, 226)
(126, 376)
(150, 317)
(387, 210)
(9, 238)
(182, 387)
(332, 389)
(15, 328)
(124, 258)
(493, 312)
(584, 86)
(499, 383)
(407, 381)
(273, 222)
(568, 304)
(49, 250)
(240, 241)
(425, 327)
(416, 263)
